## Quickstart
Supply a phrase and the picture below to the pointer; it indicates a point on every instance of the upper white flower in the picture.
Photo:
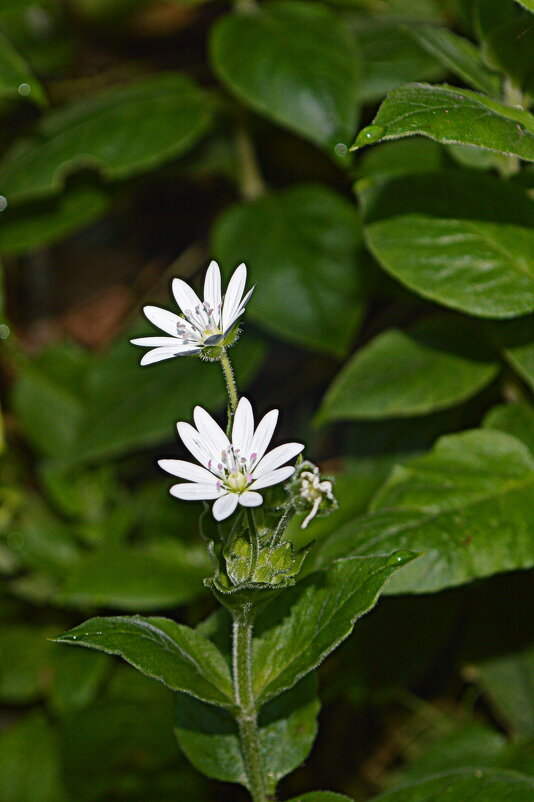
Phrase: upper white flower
(233, 471)
(202, 323)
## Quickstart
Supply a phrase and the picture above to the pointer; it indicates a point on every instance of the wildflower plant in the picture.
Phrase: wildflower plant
(282, 611)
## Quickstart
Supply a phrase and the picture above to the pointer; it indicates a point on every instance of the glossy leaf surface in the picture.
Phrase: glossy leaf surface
(311, 88)
(466, 507)
(480, 268)
(452, 116)
(167, 112)
(302, 626)
(174, 654)
(438, 363)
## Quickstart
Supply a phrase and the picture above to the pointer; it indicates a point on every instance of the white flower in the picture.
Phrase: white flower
(233, 471)
(202, 324)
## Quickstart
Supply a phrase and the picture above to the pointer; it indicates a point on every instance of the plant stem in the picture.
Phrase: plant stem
(251, 182)
(247, 717)
(282, 525)
(254, 545)
(229, 378)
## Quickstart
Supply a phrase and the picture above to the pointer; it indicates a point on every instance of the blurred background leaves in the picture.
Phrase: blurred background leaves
(140, 138)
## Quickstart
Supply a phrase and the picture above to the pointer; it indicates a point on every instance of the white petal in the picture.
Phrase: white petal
(250, 499)
(243, 428)
(230, 323)
(224, 506)
(159, 342)
(186, 470)
(158, 354)
(194, 443)
(163, 319)
(234, 293)
(263, 434)
(212, 289)
(185, 296)
(191, 491)
(210, 431)
(277, 457)
(272, 477)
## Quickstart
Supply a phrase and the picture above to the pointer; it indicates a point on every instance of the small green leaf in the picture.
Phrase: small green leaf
(528, 4)
(172, 653)
(167, 112)
(481, 268)
(295, 62)
(475, 785)
(33, 225)
(458, 55)
(304, 243)
(300, 628)
(16, 78)
(452, 116)
(466, 505)
(440, 362)
(287, 729)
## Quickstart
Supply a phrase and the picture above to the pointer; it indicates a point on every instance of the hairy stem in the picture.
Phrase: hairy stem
(229, 379)
(282, 525)
(247, 715)
(254, 544)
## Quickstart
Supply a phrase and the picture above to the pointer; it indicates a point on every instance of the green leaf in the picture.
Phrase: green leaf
(507, 39)
(390, 57)
(516, 419)
(172, 653)
(36, 778)
(123, 578)
(301, 627)
(167, 112)
(528, 4)
(452, 116)
(33, 225)
(515, 338)
(303, 241)
(440, 362)
(287, 729)
(467, 505)
(16, 78)
(458, 55)
(295, 62)
(481, 268)
(475, 785)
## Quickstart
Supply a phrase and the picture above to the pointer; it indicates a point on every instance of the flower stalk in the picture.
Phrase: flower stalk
(247, 714)
(229, 379)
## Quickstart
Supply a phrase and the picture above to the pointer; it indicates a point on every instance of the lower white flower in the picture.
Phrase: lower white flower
(233, 471)
(203, 324)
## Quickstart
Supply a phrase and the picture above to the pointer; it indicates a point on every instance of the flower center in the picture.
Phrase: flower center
(237, 482)
(234, 471)
(204, 329)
